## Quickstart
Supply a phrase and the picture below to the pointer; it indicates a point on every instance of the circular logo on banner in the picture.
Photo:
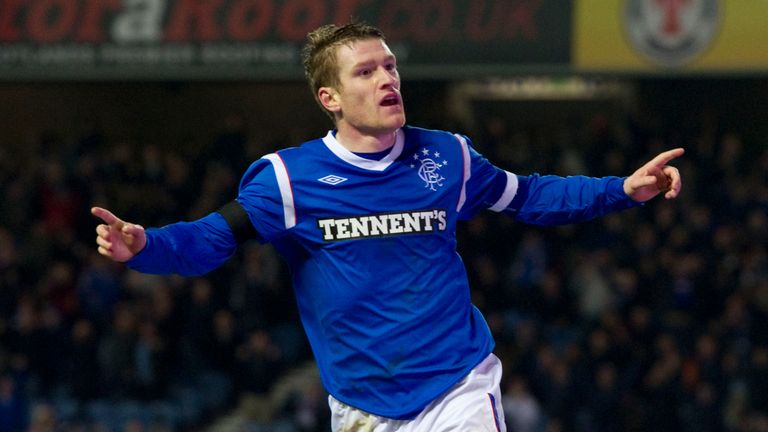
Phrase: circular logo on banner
(671, 32)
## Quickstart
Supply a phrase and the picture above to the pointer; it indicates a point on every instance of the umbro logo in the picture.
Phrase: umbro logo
(332, 180)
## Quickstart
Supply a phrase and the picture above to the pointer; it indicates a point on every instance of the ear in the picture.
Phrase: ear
(328, 97)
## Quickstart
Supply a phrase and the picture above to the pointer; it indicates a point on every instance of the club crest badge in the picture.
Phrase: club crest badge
(671, 33)
(428, 166)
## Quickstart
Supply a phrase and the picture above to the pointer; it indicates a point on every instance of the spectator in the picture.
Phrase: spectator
(258, 362)
(81, 365)
(222, 350)
(116, 353)
(13, 407)
(521, 410)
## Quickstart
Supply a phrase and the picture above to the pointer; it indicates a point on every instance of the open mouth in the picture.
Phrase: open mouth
(390, 101)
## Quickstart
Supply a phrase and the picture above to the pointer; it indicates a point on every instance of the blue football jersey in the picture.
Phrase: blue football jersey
(371, 245)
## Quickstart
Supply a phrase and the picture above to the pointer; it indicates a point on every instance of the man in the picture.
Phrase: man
(366, 219)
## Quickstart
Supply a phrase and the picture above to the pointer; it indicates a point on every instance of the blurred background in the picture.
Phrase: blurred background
(654, 319)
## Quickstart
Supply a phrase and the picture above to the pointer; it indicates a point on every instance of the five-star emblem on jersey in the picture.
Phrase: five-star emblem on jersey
(429, 170)
(332, 180)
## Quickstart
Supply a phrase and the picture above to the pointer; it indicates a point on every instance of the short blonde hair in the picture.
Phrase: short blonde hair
(319, 54)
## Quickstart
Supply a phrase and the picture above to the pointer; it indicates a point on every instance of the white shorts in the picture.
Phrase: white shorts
(472, 405)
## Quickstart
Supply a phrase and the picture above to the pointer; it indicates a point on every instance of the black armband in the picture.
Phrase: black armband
(238, 222)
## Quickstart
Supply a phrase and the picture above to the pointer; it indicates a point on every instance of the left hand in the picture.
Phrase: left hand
(655, 177)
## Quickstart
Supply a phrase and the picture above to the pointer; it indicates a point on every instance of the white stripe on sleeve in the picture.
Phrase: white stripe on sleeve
(286, 192)
(510, 190)
(467, 171)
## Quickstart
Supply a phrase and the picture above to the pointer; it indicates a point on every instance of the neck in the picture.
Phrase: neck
(358, 141)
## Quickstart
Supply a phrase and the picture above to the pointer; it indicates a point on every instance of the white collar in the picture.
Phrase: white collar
(373, 165)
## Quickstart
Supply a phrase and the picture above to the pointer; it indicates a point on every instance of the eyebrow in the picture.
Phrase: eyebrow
(373, 61)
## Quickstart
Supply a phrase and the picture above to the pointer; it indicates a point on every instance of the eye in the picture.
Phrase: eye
(390, 66)
(364, 72)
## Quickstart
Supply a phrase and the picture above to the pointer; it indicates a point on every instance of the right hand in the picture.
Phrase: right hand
(117, 239)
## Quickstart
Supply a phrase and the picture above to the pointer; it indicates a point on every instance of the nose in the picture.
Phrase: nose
(388, 78)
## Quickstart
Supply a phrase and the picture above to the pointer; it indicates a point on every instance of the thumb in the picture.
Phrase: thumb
(638, 182)
(134, 237)
(646, 180)
(132, 229)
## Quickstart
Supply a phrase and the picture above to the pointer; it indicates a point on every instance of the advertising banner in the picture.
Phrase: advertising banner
(671, 36)
(215, 39)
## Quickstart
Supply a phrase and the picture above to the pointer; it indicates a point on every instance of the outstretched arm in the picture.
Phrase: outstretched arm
(117, 239)
(185, 248)
(553, 200)
(197, 247)
(655, 177)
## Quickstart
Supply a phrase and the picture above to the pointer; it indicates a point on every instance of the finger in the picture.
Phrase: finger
(672, 193)
(662, 158)
(102, 242)
(105, 252)
(102, 230)
(105, 215)
(673, 174)
(675, 181)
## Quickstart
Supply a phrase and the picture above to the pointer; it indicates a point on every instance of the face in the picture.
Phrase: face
(368, 99)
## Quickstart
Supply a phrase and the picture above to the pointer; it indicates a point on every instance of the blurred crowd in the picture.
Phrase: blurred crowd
(653, 319)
